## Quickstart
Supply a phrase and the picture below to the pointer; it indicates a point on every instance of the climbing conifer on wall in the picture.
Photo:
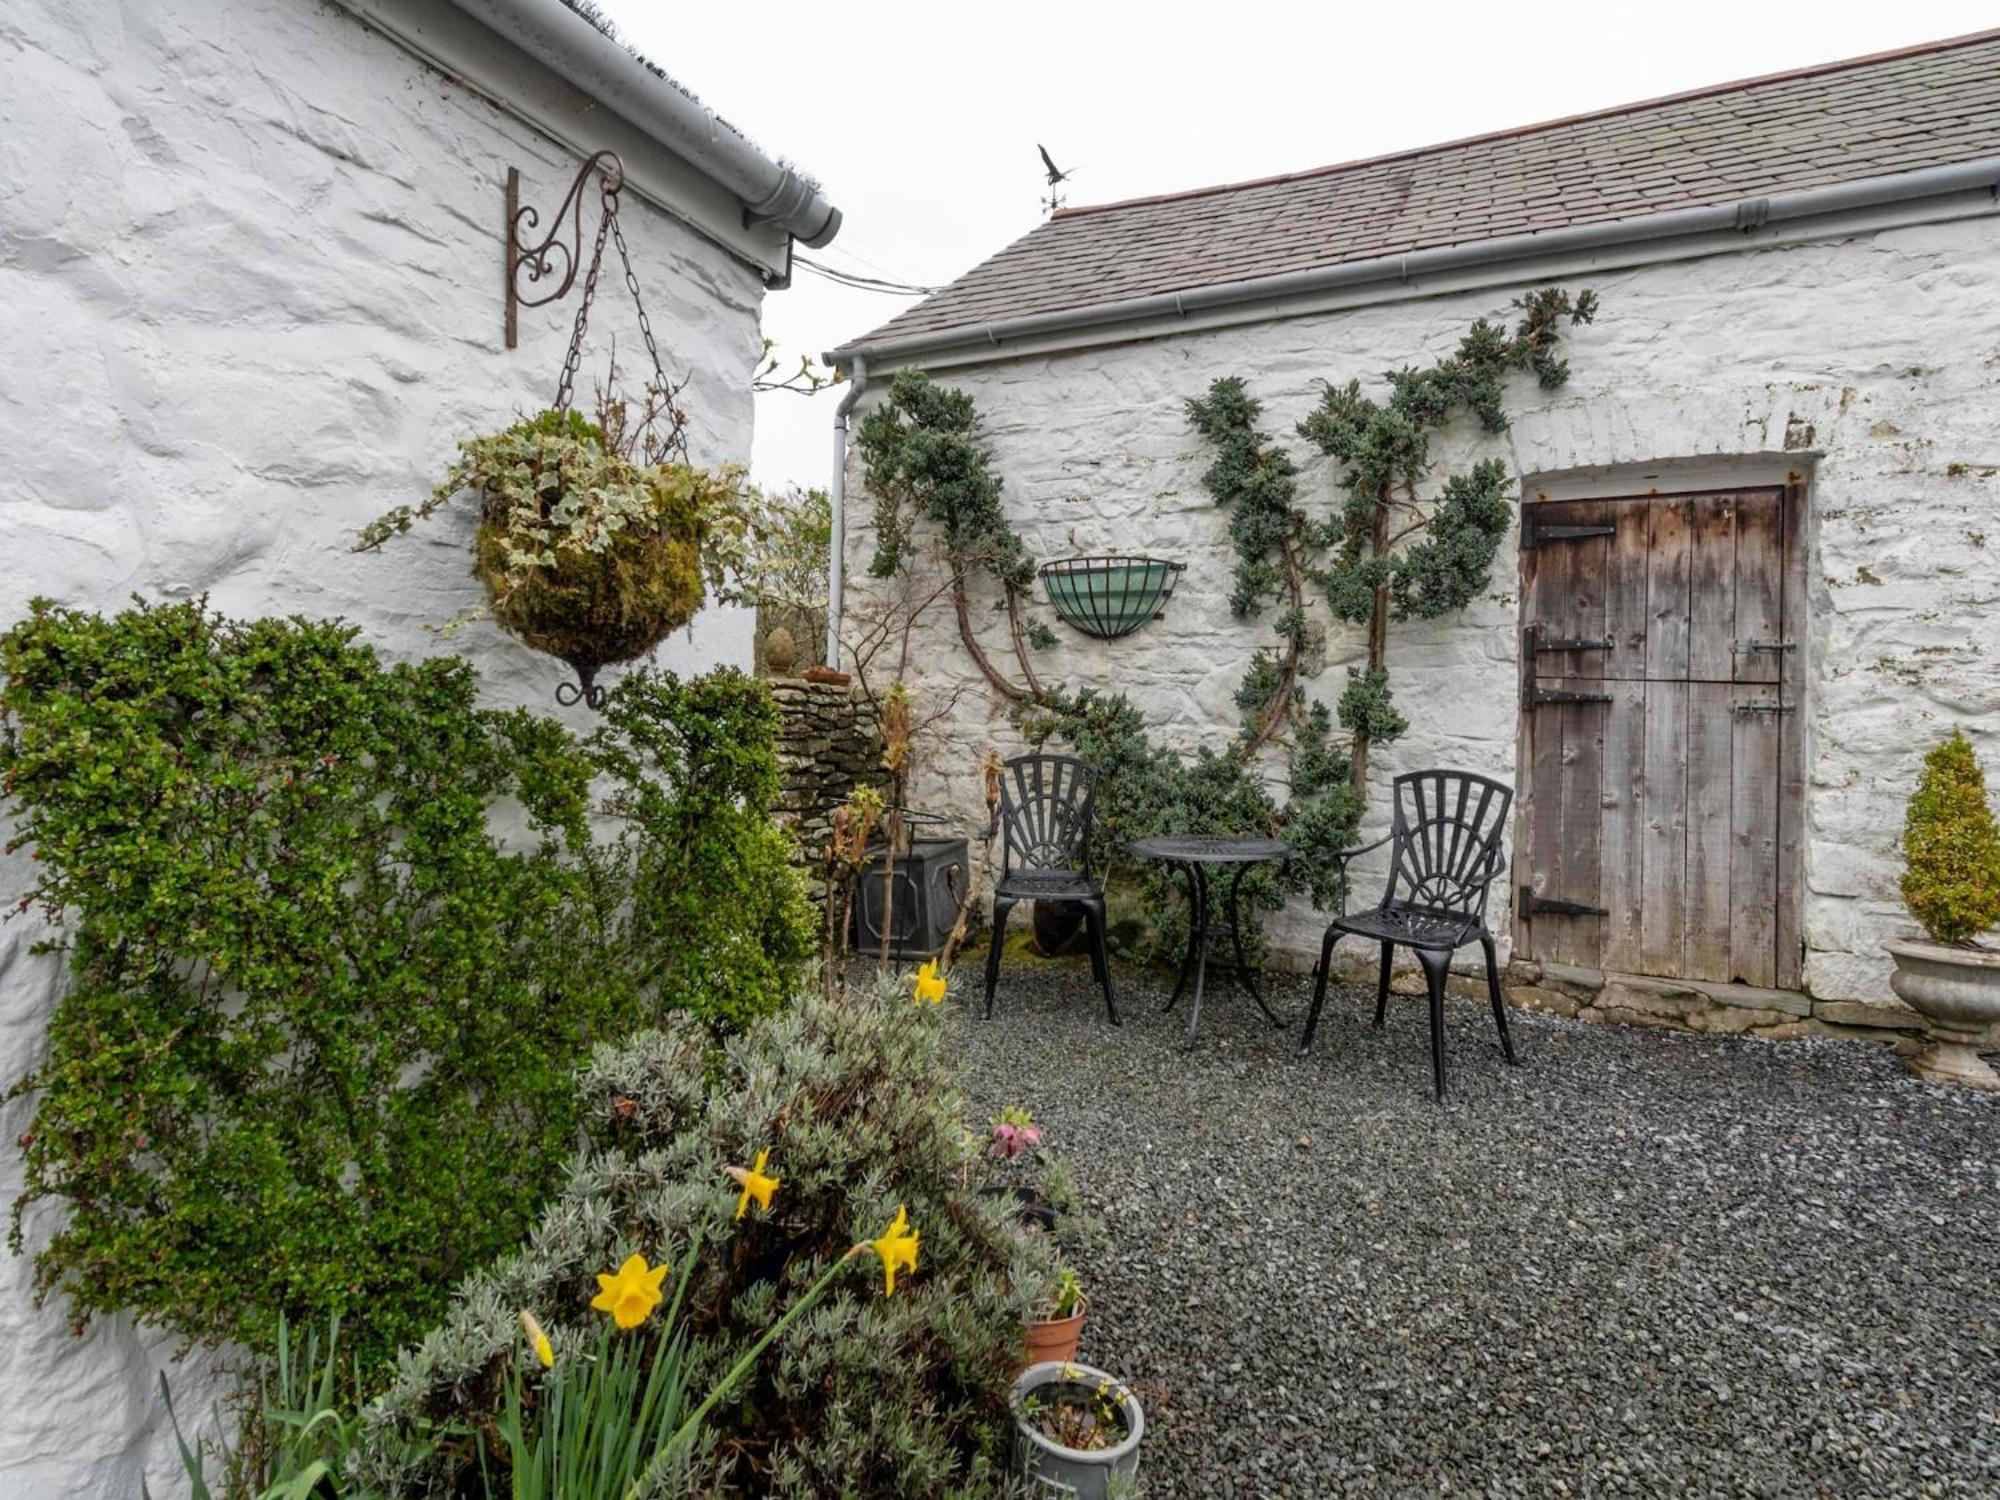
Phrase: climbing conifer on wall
(923, 460)
(1394, 555)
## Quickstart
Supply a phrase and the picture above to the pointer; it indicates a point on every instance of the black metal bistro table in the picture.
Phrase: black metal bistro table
(1192, 854)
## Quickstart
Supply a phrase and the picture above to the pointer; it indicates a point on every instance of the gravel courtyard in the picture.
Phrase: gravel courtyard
(1640, 1264)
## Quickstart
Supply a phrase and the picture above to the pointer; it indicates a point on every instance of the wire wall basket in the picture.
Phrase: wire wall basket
(1109, 595)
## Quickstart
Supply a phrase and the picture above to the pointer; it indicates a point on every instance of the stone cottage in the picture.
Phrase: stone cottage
(252, 260)
(1754, 565)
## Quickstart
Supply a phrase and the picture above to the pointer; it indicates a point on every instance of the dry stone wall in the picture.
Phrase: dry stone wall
(249, 296)
(1870, 364)
(827, 746)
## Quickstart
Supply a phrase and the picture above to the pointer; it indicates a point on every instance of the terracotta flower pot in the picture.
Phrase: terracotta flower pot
(1055, 1339)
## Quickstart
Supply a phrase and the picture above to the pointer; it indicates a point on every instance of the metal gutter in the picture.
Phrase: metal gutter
(1744, 217)
(836, 491)
(573, 49)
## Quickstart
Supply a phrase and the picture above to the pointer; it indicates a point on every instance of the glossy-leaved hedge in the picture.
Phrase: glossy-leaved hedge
(338, 939)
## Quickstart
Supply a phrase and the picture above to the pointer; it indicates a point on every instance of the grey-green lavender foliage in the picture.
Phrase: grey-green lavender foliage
(868, 1394)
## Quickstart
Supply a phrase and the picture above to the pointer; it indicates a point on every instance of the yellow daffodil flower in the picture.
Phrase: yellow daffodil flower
(930, 984)
(898, 1249)
(754, 1184)
(631, 1295)
(544, 1350)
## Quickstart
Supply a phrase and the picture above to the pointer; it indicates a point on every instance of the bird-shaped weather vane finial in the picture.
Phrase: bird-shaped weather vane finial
(1057, 177)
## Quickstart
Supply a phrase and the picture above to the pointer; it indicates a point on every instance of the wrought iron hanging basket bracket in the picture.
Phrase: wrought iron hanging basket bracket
(541, 268)
(1110, 595)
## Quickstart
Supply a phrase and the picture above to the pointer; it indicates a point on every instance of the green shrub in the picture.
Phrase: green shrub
(318, 1048)
(1146, 789)
(1951, 847)
(867, 1394)
(716, 921)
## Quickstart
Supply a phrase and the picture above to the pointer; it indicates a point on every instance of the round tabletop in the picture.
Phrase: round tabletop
(1211, 848)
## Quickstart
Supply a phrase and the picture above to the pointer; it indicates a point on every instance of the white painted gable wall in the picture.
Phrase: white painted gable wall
(249, 296)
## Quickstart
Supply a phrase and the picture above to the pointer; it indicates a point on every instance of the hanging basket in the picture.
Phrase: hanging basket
(1108, 596)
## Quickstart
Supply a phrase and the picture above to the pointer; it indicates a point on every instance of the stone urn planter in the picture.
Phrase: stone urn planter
(1076, 1399)
(1957, 990)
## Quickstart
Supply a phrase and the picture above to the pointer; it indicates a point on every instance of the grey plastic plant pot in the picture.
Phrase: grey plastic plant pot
(1069, 1473)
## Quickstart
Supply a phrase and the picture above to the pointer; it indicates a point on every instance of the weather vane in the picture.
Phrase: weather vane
(1057, 178)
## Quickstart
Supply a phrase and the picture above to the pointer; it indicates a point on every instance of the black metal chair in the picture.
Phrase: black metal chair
(1447, 835)
(1045, 815)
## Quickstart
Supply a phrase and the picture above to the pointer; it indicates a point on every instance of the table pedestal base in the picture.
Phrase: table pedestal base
(1200, 930)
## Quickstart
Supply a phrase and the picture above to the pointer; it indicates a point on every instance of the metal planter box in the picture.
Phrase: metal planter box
(928, 882)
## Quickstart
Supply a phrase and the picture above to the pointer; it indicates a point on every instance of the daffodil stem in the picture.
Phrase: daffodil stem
(692, 1425)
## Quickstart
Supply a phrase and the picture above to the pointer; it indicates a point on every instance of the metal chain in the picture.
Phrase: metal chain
(566, 386)
(572, 362)
(645, 323)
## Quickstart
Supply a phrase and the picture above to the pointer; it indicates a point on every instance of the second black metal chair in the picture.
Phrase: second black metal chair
(1447, 850)
(1046, 806)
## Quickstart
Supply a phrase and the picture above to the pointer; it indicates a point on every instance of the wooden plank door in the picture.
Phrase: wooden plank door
(1658, 692)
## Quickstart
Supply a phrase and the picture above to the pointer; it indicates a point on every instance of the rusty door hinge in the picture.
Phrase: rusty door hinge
(1556, 907)
(1533, 536)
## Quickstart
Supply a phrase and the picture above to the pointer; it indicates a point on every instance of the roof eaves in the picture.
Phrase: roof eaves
(1978, 177)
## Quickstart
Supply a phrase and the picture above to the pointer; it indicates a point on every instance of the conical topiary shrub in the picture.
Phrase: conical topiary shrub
(1952, 847)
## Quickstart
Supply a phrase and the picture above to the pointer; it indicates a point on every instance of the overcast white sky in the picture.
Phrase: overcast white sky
(922, 118)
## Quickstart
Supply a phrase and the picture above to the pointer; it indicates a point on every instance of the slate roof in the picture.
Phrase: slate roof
(1895, 112)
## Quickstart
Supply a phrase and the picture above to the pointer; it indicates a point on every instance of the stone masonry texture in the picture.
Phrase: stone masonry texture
(249, 298)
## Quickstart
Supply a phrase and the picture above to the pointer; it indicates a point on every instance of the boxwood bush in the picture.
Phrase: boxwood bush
(318, 1047)
(1952, 846)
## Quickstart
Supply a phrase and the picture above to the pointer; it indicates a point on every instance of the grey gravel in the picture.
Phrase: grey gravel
(1642, 1263)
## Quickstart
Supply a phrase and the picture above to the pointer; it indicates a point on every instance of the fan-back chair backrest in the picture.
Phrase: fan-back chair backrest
(1045, 811)
(1447, 841)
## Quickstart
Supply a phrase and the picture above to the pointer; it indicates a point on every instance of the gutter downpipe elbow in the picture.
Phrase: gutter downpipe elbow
(573, 49)
(836, 490)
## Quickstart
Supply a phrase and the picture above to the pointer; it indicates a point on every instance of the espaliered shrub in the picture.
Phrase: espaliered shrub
(867, 1394)
(1952, 848)
(318, 1048)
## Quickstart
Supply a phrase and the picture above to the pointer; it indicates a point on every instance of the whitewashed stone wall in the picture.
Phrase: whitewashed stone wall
(1872, 363)
(249, 296)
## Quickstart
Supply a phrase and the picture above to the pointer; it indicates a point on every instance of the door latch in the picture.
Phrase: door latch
(1748, 645)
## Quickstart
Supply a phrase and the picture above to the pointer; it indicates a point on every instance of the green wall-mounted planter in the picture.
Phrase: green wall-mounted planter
(1109, 596)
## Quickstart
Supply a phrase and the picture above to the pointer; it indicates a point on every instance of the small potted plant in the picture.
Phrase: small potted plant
(1014, 1132)
(1951, 884)
(1012, 1145)
(1076, 1431)
(1054, 1336)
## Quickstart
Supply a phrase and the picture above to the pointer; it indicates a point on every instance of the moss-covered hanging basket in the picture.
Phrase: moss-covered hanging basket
(1109, 595)
(584, 552)
(607, 590)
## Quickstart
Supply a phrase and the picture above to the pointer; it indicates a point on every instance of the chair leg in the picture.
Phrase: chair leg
(1100, 956)
(993, 946)
(1382, 984)
(1493, 994)
(1436, 965)
(1319, 986)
